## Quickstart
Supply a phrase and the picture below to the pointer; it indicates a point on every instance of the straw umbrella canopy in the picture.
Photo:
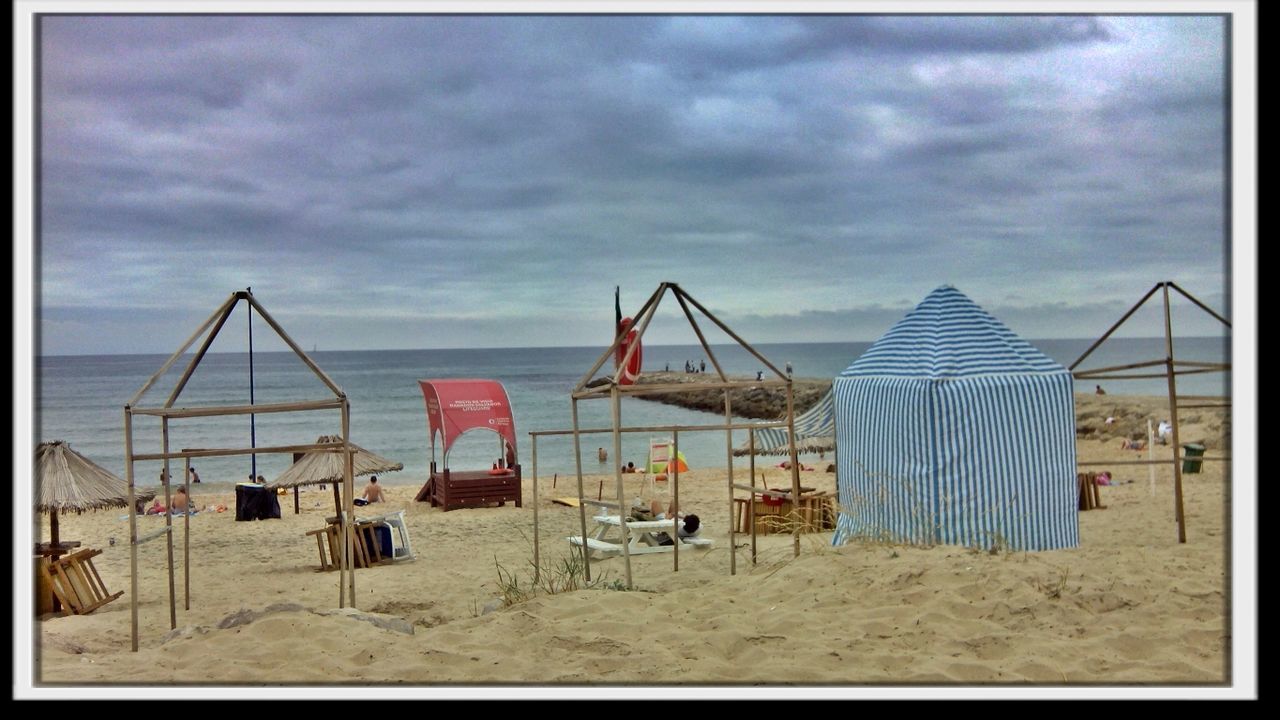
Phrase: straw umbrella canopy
(321, 467)
(67, 480)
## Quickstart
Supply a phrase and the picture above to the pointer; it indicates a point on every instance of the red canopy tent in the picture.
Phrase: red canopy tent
(455, 407)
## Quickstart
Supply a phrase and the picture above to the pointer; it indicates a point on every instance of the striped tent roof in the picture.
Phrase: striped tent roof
(947, 336)
(953, 430)
(815, 430)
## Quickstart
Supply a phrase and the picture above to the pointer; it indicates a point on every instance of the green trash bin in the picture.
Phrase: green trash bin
(1192, 450)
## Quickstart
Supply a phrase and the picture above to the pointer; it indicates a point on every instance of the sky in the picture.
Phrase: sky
(437, 181)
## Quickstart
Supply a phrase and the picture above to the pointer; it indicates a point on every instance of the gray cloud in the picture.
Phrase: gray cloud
(781, 167)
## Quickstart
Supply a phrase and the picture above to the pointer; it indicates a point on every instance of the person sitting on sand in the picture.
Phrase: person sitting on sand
(372, 492)
(180, 501)
(157, 508)
(1099, 391)
(630, 468)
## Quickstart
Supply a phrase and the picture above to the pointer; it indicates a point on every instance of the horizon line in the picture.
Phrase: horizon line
(601, 348)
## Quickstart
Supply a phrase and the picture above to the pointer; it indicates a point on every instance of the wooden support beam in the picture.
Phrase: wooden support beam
(701, 338)
(306, 359)
(1113, 328)
(219, 410)
(644, 325)
(1199, 304)
(228, 452)
(665, 428)
(617, 341)
(746, 345)
(230, 302)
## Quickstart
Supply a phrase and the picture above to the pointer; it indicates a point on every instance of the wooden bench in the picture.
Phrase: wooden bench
(76, 584)
(481, 488)
(600, 546)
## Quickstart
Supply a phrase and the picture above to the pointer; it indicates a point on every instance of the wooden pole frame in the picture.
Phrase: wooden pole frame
(614, 390)
(1173, 411)
(537, 564)
(167, 412)
(1170, 373)
(674, 430)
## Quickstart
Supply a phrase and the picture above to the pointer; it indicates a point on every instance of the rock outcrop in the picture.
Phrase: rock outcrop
(751, 401)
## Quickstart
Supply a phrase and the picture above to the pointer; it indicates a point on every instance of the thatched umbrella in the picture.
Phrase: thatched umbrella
(67, 480)
(321, 467)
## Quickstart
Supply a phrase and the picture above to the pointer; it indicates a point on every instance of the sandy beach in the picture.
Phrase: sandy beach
(1129, 606)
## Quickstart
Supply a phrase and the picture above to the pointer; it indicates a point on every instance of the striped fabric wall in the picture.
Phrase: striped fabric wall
(884, 461)
(818, 421)
(958, 433)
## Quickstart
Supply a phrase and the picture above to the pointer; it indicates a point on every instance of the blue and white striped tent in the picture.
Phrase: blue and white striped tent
(816, 423)
(951, 429)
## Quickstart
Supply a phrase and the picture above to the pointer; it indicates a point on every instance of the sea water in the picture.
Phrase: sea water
(81, 399)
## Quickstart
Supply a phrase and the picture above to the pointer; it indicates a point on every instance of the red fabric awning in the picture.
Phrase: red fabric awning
(456, 406)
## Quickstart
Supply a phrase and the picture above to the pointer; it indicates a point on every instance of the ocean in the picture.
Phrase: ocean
(81, 399)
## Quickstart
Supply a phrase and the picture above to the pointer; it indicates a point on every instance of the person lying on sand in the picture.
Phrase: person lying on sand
(786, 465)
(692, 525)
(1127, 444)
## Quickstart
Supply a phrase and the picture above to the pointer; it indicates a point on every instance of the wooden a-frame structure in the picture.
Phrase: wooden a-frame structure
(1172, 368)
(613, 389)
(167, 412)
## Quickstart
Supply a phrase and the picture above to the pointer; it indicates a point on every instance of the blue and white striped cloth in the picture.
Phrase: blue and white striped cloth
(818, 421)
(951, 429)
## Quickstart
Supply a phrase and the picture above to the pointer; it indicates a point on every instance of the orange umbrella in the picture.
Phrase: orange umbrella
(671, 465)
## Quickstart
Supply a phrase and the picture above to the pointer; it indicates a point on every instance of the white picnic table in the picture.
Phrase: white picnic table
(605, 542)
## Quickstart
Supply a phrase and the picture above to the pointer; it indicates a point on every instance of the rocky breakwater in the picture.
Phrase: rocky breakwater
(749, 401)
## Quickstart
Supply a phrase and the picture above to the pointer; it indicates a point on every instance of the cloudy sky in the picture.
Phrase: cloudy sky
(471, 181)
